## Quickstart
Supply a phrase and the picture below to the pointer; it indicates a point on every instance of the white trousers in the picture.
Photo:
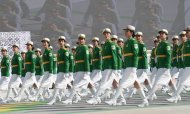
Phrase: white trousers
(129, 77)
(142, 75)
(185, 77)
(15, 81)
(29, 80)
(174, 72)
(82, 79)
(96, 76)
(47, 80)
(62, 80)
(4, 82)
(162, 76)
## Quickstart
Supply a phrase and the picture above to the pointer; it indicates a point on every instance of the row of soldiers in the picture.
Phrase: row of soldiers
(115, 68)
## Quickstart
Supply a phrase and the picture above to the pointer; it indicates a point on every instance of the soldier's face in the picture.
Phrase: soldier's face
(175, 41)
(29, 47)
(95, 43)
(120, 43)
(138, 38)
(114, 40)
(188, 34)
(45, 44)
(128, 33)
(15, 49)
(61, 43)
(23, 55)
(81, 41)
(107, 35)
(163, 36)
(4, 52)
(183, 38)
(37, 53)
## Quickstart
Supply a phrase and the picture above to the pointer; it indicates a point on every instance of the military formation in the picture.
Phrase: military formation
(109, 72)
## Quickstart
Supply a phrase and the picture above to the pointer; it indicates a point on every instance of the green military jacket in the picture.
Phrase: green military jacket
(82, 59)
(39, 66)
(97, 58)
(109, 56)
(71, 62)
(90, 61)
(23, 68)
(16, 64)
(62, 60)
(143, 62)
(174, 62)
(119, 57)
(48, 60)
(186, 54)
(179, 56)
(30, 61)
(5, 66)
(130, 52)
(163, 55)
(54, 64)
(152, 58)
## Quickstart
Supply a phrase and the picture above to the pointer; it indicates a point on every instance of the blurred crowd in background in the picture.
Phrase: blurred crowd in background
(55, 17)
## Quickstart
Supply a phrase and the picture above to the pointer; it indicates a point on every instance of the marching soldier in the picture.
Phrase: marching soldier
(96, 74)
(174, 62)
(47, 80)
(163, 58)
(63, 69)
(109, 65)
(5, 71)
(90, 46)
(23, 55)
(29, 79)
(153, 67)
(131, 62)
(142, 68)
(82, 70)
(39, 66)
(71, 63)
(15, 80)
(185, 75)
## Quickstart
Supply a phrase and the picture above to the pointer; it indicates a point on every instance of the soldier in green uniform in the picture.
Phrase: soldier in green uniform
(5, 71)
(119, 58)
(39, 66)
(142, 67)
(54, 70)
(71, 63)
(163, 58)
(185, 73)
(120, 43)
(109, 65)
(15, 81)
(29, 79)
(47, 80)
(63, 69)
(96, 74)
(152, 63)
(129, 78)
(23, 55)
(82, 69)
(90, 46)
(174, 62)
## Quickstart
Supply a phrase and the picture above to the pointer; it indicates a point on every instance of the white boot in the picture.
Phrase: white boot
(52, 101)
(68, 101)
(174, 99)
(111, 102)
(122, 102)
(144, 103)
(94, 101)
